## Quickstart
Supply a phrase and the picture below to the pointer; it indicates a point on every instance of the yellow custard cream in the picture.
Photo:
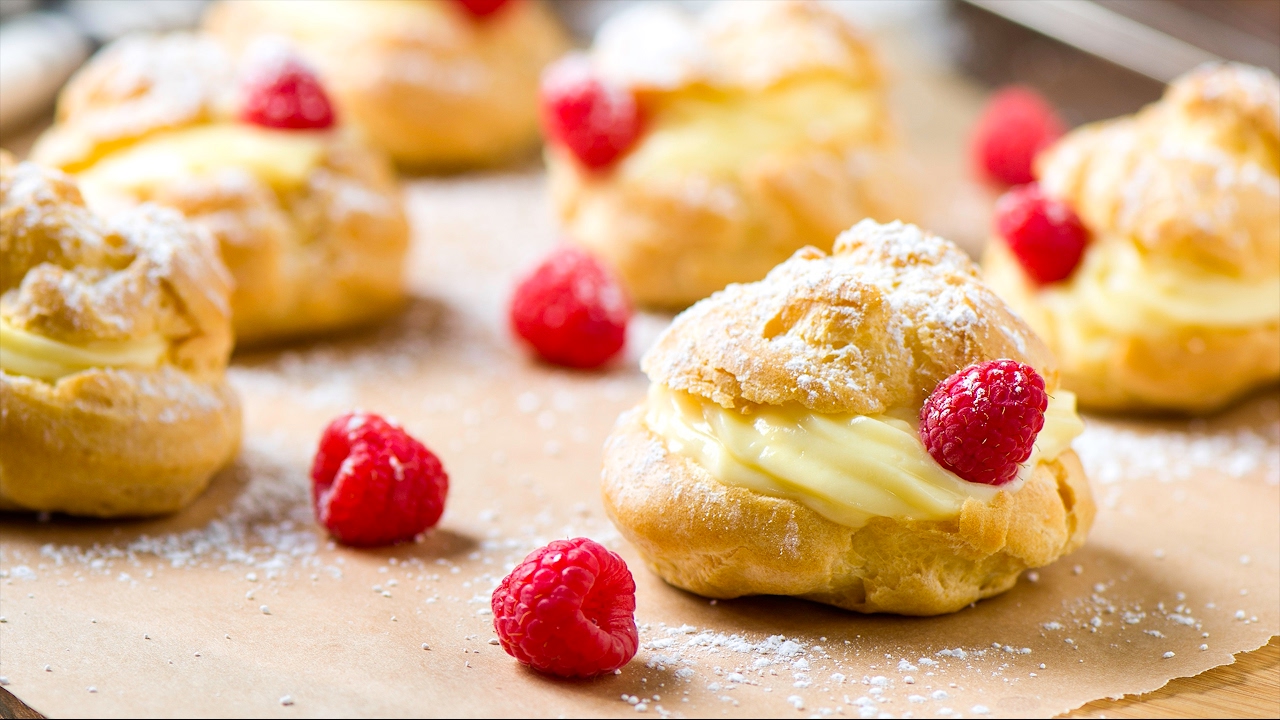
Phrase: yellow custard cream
(1119, 289)
(714, 132)
(849, 468)
(32, 355)
(283, 159)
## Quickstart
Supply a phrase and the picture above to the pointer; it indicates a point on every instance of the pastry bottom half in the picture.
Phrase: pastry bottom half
(674, 241)
(110, 443)
(722, 541)
(1183, 369)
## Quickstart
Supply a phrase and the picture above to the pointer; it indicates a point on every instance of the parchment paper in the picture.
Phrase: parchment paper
(240, 605)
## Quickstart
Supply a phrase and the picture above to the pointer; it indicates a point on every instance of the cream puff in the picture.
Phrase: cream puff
(114, 338)
(438, 84)
(689, 153)
(309, 219)
(800, 436)
(1148, 255)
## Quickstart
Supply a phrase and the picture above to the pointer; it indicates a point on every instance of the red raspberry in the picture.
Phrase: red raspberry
(1017, 124)
(1045, 234)
(597, 121)
(568, 610)
(482, 8)
(982, 422)
(284, 93)
(571, 310)
(373, 484)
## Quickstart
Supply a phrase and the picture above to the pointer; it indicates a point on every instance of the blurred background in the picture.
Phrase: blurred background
(1092, 58)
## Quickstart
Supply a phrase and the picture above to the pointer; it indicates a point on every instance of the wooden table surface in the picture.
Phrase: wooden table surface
(1250, 688)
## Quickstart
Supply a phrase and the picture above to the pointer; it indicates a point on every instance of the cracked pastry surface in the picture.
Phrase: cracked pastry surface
(431, 85)
(1176, 302)
(794, 466)
(765, 128)
(114, 338)
(309, 222)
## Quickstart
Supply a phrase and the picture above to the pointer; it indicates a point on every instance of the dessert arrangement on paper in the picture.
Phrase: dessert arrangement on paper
(711, 417)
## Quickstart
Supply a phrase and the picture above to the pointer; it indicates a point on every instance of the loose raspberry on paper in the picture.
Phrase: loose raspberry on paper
(1045, 234)
(373, 484)
(572, 310)
(568, 610)
(982, 422)
(483, 8)
(596, 120)
(283, 93)
(1016, 125)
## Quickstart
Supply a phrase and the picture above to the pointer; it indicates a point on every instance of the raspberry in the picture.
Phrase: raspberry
(568, 610)
(571, 310)
(1017, 124)
(373, 484)
(597, 121)
(482, 8)
(982, 422)
(284, 93)
(1045, 234)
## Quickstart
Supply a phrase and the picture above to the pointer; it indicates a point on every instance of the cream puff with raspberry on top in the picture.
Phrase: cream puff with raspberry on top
(308, 218)
(873, 429)
(437, 84)
(689, 153)
(1148, 254)
(114, 338)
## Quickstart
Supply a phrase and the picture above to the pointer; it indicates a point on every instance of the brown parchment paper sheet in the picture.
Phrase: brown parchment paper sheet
(240, 606)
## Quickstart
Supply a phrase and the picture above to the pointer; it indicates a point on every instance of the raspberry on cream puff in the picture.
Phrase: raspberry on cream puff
(689, 153)
(1148, 255)
(308, 219)
(873, 429)
(114, 338)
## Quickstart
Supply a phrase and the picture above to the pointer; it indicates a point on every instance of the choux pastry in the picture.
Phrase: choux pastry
(114, 338)
(1175, 302)
(437, 84)
(778, 451)
(761, 127)
(308, 219)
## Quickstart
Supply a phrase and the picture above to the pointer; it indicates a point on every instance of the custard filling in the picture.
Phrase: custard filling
(849, 468)
(26, 353)
(714, 132)
(283, 159)
(1118, 289)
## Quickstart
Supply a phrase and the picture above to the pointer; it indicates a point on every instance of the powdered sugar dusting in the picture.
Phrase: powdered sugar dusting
(1115, 453)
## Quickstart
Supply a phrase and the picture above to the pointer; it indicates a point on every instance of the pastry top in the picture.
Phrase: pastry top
(72, 278)
(134, 87)
(1192, 180)
(747, 45)
(875, 325)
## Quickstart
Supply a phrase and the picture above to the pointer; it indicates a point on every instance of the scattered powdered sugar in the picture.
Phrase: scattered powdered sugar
(1112, 453)
(268, 526)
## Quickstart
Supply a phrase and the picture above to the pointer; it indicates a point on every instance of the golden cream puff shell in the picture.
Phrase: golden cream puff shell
(721, 541)
(322, 254)
(423, 81)
(873, 326)
(777, 117)
(1191, 185)
(108, 441)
